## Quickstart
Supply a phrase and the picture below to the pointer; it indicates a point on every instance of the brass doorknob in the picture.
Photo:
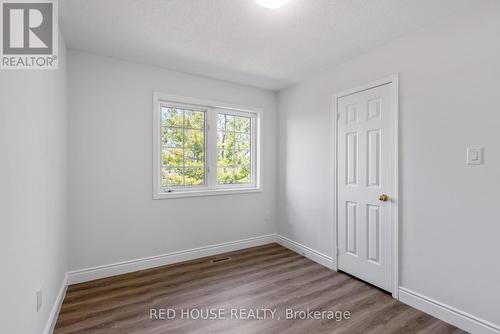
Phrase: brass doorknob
(383, 198)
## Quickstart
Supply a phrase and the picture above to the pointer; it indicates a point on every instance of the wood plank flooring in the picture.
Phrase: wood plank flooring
(266, 277)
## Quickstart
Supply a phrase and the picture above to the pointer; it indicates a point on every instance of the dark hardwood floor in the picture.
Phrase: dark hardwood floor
(266, 277)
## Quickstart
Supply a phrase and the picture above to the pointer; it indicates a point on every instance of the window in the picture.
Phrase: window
(204, 148)
(234, 147)
(182, 140)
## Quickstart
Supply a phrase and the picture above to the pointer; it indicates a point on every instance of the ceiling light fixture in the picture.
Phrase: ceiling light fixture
(273, 4)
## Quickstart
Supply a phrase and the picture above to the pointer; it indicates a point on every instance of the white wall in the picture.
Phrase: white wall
(449, 90)
(33, 126)
(111, 211)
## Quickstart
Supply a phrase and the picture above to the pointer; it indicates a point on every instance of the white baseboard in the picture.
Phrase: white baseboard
(447, 313)
(310, 253)
(89, 274)
(54, 313)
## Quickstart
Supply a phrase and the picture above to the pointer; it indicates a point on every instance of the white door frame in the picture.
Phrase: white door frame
(393, 79)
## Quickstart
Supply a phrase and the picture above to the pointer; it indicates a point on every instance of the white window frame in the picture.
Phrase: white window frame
(211, 108)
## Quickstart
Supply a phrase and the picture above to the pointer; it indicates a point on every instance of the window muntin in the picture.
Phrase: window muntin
(234, 149)
(183, 147)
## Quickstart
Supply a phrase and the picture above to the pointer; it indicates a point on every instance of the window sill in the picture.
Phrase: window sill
(212, 192)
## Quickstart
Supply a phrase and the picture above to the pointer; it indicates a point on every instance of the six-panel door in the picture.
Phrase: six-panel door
(365, 171)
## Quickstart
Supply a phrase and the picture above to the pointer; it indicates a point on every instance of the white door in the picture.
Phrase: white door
(366, 167)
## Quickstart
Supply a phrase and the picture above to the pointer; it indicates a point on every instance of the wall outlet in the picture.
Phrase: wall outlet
(39, 299)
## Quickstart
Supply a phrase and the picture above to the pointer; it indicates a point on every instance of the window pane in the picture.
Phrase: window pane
(242, 141)
(221, 157)
(226, 140)
(234, 149)
(242, 158)
(221, 122)
(172, 157)
(230, 123)
(226, 158)
(172, 177)
(194, 158)
(172, 137)
(195, 140)
(225, 175)
(194, 176)
(242, 175)
(194, 119)
(242, 124)
(183, 147)
(172, 117)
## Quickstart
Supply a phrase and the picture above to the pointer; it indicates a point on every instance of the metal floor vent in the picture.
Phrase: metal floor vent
(222, 259)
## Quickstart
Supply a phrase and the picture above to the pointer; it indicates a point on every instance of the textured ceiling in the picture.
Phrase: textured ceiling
(240, 41)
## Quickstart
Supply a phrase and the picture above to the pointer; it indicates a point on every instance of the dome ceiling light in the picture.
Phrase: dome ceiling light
(273, 4)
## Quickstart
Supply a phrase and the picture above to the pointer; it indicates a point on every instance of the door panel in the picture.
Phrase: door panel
(351, 228)
(373, 173)
(365, 171)
(373, 239)
(352, 158)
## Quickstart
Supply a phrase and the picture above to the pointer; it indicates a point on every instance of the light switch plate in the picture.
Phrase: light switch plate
(474, 155)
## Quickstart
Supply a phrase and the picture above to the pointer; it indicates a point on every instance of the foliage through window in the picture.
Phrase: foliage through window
(195, 155)
(183, 147)
(234, 149)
